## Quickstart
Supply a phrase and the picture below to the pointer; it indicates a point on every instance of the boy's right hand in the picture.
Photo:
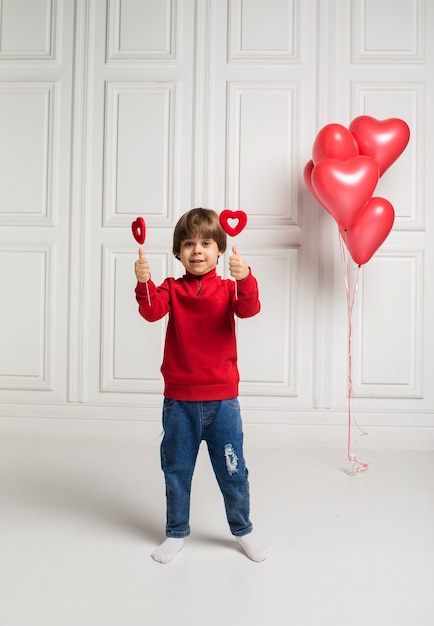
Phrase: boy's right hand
(142, 268)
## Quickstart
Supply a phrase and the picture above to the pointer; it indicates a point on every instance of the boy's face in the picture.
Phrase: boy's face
(199, 255)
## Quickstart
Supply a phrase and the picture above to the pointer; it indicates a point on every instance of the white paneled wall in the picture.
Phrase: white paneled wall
(110, 110)
(36, 60)
(385, 72)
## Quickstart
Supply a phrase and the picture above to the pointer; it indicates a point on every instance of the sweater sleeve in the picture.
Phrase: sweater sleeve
(154, 302)
(245, 299)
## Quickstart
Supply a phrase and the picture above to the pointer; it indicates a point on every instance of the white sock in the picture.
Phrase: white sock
(168, 550)
(253, 547)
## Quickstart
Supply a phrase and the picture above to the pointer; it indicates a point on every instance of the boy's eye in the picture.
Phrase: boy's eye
(189, 244)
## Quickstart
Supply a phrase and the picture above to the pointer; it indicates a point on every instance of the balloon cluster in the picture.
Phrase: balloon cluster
(342, 175)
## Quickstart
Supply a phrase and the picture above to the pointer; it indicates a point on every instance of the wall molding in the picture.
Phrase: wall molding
(236, 91)
(387, 387)
(166, 91)
(41, 380)
(238, 54)
(78, 332)
(202, 134)
(138, 344)
(267, 377)
(48, 52)
(166, 54)
(47, 92)
(361, 53)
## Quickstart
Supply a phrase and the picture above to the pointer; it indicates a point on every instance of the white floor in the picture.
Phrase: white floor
(79, 520)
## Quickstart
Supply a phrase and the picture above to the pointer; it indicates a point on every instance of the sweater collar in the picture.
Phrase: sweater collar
(204, 278)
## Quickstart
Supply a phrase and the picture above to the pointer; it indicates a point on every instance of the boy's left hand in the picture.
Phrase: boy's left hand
(238, 268)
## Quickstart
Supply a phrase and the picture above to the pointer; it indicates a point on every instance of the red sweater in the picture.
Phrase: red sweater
(200, 352)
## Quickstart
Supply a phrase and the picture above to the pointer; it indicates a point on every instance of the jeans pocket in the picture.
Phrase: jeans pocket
(168, 405)
(168, 402)
(233, 403)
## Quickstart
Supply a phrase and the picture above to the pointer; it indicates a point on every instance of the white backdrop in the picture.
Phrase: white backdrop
(110, 109)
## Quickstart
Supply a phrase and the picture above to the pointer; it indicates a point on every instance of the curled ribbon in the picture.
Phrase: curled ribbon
(357, 466)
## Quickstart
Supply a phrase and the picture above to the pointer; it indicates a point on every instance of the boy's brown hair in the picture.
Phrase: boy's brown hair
(199, 223)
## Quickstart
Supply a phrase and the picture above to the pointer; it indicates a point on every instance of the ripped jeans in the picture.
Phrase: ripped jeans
(186, 425)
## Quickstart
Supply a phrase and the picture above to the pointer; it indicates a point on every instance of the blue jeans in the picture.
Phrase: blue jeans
(186, 424)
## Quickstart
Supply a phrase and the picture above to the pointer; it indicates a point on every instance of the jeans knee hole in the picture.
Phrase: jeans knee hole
(231, 459)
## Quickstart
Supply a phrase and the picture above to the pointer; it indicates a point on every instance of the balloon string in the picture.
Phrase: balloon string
(358, 466)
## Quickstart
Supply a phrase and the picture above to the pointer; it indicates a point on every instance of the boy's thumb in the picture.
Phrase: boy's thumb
(141, 253)
(235, 250)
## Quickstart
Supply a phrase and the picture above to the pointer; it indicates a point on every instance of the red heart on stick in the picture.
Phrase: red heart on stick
(226, 215)
(383, 140)
(139, 230)
(369, 230)
(344, 187)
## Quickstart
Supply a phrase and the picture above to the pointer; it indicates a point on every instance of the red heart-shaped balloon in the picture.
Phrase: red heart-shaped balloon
(307, 175)
(344, 187)
(369, 230)
(139, 230)
(382, 140)
(334, 141)
(226, 215)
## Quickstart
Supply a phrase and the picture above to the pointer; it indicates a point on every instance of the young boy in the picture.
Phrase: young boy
(201, 375)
